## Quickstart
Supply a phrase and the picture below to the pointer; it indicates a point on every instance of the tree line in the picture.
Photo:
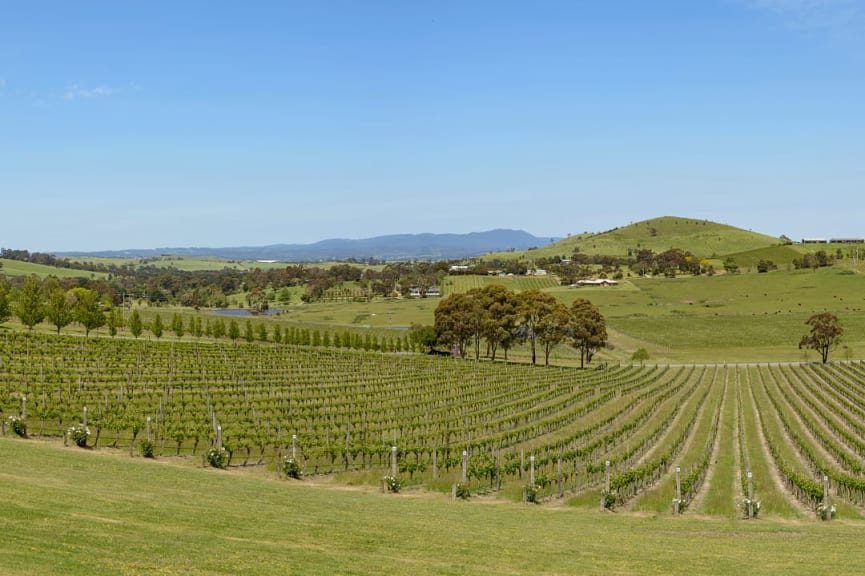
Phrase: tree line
(501, 318)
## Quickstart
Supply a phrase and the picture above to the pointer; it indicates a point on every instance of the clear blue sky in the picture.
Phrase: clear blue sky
(151, 124)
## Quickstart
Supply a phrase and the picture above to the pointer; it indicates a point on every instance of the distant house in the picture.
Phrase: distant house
(597, 282)
(416, 293)
(814, 241)
(536, 272)
(846, 241)
(458, 268)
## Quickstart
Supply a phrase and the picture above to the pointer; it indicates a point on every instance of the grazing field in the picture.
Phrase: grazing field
(508, 430)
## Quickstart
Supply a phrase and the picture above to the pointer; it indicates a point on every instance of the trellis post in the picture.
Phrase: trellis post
(828, 514)
(678, 490)
(465, 466)
(393, 467)
(750, 496)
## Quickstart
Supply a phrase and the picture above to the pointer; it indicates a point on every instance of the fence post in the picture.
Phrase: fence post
(678, 490)
(393, 469)
(465, 465)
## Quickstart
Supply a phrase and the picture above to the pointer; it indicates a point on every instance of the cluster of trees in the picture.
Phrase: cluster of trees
(819, 259)
(36, 301)
(501, 317)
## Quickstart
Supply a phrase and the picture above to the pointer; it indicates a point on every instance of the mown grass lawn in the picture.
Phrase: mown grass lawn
(70, 511)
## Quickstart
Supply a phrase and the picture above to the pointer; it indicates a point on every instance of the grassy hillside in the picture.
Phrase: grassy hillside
(700, 237)
(16, 268)
(70, 511)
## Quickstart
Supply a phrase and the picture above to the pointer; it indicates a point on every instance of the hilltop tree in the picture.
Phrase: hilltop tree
(28, 304)
(58, 308)
(826, 332)
(588, 330)
(135, 324)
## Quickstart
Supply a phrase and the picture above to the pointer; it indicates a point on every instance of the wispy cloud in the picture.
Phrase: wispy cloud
(76, 91)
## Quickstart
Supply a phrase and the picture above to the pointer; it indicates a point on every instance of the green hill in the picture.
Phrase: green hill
(700, 237)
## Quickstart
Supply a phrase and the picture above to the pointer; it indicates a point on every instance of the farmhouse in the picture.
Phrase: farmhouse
(416, 293)
(846, 241)
(597, 282)
(536, 272)
(814, 241)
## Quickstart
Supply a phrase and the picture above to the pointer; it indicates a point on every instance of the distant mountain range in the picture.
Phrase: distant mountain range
(394, 247)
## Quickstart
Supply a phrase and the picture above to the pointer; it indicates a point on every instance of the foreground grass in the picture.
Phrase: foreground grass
(69, 511)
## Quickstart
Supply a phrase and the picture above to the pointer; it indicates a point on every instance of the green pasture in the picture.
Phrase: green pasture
(70, 511)
(16, 268)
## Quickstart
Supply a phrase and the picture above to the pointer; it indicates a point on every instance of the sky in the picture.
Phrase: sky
(148, 124)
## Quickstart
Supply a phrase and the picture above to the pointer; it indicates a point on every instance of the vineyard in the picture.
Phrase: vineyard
(625, 437)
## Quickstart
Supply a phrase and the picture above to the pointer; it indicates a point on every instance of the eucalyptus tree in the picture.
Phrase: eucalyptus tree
(826, 332)
(534, 307)
(501, 320)
(588, 329)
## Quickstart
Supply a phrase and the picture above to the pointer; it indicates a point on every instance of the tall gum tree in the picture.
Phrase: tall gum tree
(826, 332)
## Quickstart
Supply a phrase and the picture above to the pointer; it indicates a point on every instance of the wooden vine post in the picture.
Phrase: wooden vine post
(393, 467)
(147, 425)
(828, 515)
(24, 408)
(84, 417)
(532, 470)
(678, 490)
(294, 447)
(750, 496)
(463, 475)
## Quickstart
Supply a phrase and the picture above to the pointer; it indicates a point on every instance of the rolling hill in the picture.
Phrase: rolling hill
(700, 237)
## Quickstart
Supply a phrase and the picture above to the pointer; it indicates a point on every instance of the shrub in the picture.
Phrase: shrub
(755, 510)
(145, 448)
(463, 491)
(18, 426)
(393, 484)
(79, 433)
(532, 492)
(217, 457)
(609, 499)
(290, 468)
(825, 512)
